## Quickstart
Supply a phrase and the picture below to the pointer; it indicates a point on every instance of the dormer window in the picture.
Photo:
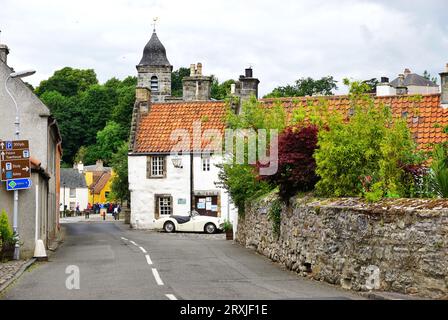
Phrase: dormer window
(154, 84)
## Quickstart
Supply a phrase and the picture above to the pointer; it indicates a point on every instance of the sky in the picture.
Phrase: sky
(282, 40)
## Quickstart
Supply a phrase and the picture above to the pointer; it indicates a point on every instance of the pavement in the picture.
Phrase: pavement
(115, 262)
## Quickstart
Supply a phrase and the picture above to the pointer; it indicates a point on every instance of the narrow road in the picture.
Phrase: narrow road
(118, 263)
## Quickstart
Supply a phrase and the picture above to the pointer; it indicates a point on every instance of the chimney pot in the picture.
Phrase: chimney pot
(192, 69)
(249, 73)
(4, 51)
(407, 71)
(199, 69)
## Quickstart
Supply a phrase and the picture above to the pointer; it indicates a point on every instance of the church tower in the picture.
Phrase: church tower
(154, 70)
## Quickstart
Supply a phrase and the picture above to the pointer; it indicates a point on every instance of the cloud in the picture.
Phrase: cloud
(358, 39)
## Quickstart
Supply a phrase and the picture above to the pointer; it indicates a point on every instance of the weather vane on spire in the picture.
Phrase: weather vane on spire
(154, 23)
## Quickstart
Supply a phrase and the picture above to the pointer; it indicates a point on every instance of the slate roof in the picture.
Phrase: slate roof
(154, 129)
(154, 53)
(413, 79)
(425, 117)
(71, 178)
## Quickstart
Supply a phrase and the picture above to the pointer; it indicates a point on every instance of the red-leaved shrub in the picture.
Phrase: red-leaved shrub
(296, 164)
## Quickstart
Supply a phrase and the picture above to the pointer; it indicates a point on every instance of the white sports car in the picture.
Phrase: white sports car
(194, 222)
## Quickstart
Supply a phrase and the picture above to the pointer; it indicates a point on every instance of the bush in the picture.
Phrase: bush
(372, 144)
(275, 215)
(296, 164)
(6, 233)
(439, 171)
(227, 226)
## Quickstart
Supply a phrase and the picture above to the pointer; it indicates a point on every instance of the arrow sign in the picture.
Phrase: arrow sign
(18, 184)
(15, 169)
(14, 145)
(14, 155)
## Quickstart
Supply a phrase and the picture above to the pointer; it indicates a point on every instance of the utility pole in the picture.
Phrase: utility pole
(17, 137)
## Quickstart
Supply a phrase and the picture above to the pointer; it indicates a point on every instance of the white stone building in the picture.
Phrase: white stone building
(73, 191)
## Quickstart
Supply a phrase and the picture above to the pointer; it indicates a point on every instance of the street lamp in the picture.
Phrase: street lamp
(15, 75)
(177, 161)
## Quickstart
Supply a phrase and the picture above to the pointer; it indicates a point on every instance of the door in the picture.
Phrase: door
(206, 205)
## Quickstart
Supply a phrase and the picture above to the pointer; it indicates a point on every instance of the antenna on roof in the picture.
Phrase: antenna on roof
(154, 23)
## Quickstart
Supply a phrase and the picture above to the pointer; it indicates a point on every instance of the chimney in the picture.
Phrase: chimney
(196, 87)
(80, 167)
(444, 87)
(384, 88)
(401, 88)
(248, 85)
(4, 51)
(143, 99)
(199, 69)
(406, 72)
(99, 165)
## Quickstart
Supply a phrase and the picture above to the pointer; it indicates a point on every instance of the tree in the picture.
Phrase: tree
(427, 76)
(176, 81)
(220, 91)
(372, 83)
(365, 155)
(241, 180)
(68, 82)
(120, 183)
(305, 87)
(296, 164)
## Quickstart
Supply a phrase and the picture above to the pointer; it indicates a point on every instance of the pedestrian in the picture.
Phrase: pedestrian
(119, 211)
(78, 212)
(115, 213)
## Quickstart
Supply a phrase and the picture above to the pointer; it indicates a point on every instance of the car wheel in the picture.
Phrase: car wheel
(210, 228)
(169, 227)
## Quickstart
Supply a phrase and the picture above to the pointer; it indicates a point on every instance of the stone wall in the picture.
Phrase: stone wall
(395, 245)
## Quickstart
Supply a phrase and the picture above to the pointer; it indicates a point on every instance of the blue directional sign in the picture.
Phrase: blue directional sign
(18, 184)
(9, 145)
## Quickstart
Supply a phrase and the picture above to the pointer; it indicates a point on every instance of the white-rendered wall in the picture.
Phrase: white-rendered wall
(423, 90)
(176, 184)
(82, 197)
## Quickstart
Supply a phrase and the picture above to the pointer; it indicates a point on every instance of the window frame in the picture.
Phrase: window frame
(206, 163)
(72, 193)
(158, 209)
(154, 84)
(161, 164)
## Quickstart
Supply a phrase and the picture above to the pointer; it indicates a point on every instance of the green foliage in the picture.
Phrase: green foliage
(83, 107)
(68, 82)
(240, 180)
(428, 76)
(439, 170)
(220, 91)
(275, 216)
(371, 146)
(227, 225)
(6, 233)
(176, 81)
(305, 87)
(119, 163)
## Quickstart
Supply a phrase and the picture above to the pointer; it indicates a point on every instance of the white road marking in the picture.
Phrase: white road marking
(124, 239)
(133, 243)
(148, 259)
(171, 296)
(143, 250)
(156, 275)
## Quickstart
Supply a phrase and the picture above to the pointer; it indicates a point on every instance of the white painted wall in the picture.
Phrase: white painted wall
(422, 90)
(82, 197)
(176, 184)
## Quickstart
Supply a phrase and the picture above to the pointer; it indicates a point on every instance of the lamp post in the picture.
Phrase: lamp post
(15, 75)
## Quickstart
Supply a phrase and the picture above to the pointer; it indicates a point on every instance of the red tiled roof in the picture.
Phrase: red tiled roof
(100, 179)
(155, 129)
(425, 116)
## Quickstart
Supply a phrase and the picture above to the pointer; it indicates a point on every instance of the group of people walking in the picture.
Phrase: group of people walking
(112, 208)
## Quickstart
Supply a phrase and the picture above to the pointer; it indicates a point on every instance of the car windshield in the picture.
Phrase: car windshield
(194, 213)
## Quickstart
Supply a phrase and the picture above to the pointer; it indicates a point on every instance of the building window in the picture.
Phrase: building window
(72, 206)
(156, 167)
(72, 193)
(205, 163)
(154, 84)
(165, 205)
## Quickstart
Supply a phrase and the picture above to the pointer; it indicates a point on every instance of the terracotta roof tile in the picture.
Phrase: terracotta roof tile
(155, 129)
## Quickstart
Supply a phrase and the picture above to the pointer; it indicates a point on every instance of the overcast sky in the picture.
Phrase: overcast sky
(283, 40)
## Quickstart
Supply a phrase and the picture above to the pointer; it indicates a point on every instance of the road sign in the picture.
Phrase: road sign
(18, 184)
(14, 145)
(8, 155)
(15, 169)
